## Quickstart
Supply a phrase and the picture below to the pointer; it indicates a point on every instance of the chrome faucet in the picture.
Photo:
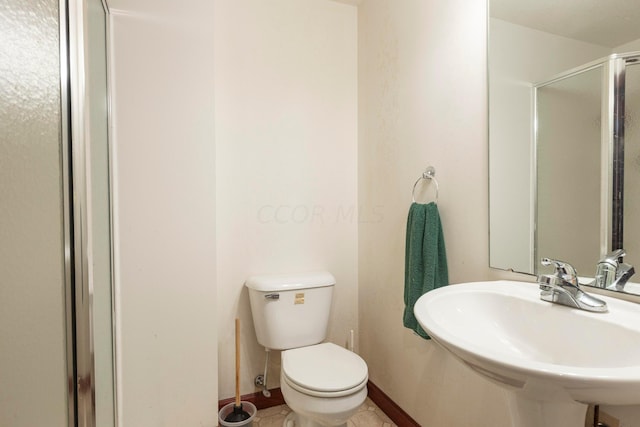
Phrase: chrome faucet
(612, 273)
(563, 288)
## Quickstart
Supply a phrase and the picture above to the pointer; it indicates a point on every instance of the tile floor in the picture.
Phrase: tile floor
(369, 415)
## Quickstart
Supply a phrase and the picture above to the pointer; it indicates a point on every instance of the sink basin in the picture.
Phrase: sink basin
(551, 359)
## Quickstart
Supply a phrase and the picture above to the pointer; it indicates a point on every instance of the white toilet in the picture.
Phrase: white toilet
(323, 384)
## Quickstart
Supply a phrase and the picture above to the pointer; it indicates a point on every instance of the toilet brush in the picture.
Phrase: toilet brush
(238, 413)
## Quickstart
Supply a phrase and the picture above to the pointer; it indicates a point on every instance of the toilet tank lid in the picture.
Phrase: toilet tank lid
(285, 282)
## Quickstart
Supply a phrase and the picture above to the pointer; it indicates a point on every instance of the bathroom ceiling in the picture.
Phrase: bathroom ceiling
(604, 22)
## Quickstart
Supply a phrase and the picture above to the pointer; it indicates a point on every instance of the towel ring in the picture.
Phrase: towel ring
(430, 174)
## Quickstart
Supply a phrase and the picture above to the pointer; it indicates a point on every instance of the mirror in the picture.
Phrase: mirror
(551, 175)
(567, 169)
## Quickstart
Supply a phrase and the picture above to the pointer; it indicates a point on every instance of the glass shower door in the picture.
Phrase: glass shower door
(56, 334)
(34, 379)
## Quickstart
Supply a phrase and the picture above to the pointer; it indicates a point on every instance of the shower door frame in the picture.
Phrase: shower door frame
(75, 179)
(67, 207)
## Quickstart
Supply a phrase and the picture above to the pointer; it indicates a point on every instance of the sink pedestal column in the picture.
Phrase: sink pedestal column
(528, 412)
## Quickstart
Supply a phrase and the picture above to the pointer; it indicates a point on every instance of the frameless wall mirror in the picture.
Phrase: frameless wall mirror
(563, 150)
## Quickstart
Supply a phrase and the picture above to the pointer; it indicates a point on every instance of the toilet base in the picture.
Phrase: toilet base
(310, 411)
(295, 420)
(313, 408)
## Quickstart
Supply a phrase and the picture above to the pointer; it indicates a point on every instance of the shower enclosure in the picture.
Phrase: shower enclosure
(56, 363)
(587, 163)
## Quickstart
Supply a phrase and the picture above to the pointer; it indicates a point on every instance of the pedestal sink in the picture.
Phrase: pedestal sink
(552, 360)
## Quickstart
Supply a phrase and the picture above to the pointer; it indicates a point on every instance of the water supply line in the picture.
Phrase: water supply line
(265, 390)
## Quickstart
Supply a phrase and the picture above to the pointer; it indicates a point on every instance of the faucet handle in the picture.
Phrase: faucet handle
(612, 257)
(563, 269)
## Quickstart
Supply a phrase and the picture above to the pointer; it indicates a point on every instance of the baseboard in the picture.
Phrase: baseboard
(377, 396)
(389, 407)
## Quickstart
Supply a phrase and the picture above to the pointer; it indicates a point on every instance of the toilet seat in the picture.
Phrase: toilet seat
(324, 370)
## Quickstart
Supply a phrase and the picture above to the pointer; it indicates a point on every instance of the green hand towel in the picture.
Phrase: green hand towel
(425, 259)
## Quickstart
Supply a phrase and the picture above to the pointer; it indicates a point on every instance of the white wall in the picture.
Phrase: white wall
(164, 200)
(286, 140)
(520, 57)
(422, 91)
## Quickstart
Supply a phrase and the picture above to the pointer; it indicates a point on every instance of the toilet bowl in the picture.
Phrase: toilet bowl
(323, 384)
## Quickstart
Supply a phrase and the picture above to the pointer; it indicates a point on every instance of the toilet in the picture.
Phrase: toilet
(323, 384)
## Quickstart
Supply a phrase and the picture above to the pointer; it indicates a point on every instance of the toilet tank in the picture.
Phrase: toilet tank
(291, 311)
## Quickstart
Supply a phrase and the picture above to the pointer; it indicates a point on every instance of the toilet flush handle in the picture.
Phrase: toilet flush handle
(272, 296)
